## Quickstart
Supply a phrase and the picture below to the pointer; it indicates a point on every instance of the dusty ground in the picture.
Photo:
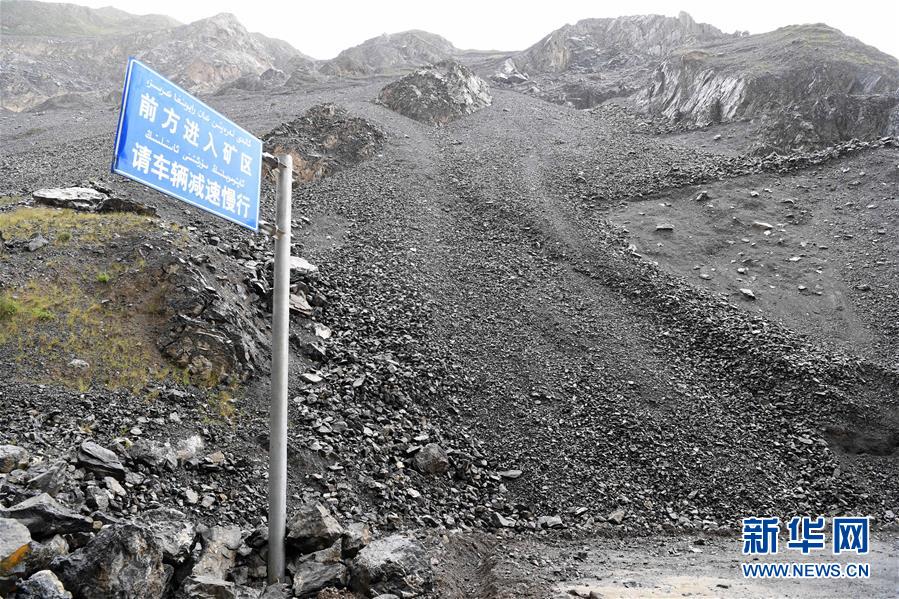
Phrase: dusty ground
(663, 567)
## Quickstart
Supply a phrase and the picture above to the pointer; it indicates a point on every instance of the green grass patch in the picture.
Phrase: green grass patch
(103, 277)
(49, 324)
(61, 224)
(9, 200)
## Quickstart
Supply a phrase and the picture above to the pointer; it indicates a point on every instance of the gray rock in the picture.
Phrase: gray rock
(189, 448)
(664, 227)
(122, 561)
(15, 545)
(276, 591)
(220, 545)
(431, 459)
(550, 522)
(42, 585)
(79, 364)
(312, 528)
(616, 517)
(174, 533)
(317, 571)
(356, 536)
(97, 498)
(36, 243)
(13, 457)
(51, 480)
(395, 564)
(154, 454)
(42, 555)
(100, 460)
(302, 267)
(299, 304)
(86, 199)
(207, 587)
(747, 293)
(44, 516)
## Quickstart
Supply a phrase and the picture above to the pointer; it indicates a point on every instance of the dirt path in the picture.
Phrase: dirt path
(660, 567)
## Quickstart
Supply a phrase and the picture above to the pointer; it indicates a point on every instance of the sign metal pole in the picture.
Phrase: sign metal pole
(277, 470)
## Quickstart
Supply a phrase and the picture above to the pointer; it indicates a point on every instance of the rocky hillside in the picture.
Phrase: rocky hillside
(598, 45)
(585, 64)
(809, 84)
(83, 51)
(27, 17)
(391, 53)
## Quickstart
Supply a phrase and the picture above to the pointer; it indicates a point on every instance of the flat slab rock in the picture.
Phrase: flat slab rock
(87, 199)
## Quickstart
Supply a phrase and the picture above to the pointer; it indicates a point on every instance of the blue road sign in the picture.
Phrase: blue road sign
(170, 141)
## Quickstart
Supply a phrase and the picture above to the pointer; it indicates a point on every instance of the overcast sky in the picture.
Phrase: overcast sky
(322, 29)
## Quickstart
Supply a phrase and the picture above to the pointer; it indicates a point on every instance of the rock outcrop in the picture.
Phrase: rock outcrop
(390, 53)
(437, 94)
(808, 84)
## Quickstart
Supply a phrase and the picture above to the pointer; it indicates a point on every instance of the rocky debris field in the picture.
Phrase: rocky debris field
(325, 140)
(479, 351)
(437, 94)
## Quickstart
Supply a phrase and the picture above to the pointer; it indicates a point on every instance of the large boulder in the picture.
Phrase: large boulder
(312, 528)
(122, 561)
(44, 517)
(395, 564)
(437, 94)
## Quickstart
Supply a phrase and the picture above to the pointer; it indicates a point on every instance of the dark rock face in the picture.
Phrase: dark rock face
(206, 333)
(44, 516)
(437, 94)
(396, 564)
(324, 141)
(390, 53)
(121, 561)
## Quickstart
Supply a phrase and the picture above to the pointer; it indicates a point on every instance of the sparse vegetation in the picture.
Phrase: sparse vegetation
(222, 403)
(52, 323)
(64, 225)
(9, 200)
(103, 277)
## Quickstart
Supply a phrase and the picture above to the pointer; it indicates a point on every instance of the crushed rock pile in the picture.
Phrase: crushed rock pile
(325, 140)
(437, 94)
